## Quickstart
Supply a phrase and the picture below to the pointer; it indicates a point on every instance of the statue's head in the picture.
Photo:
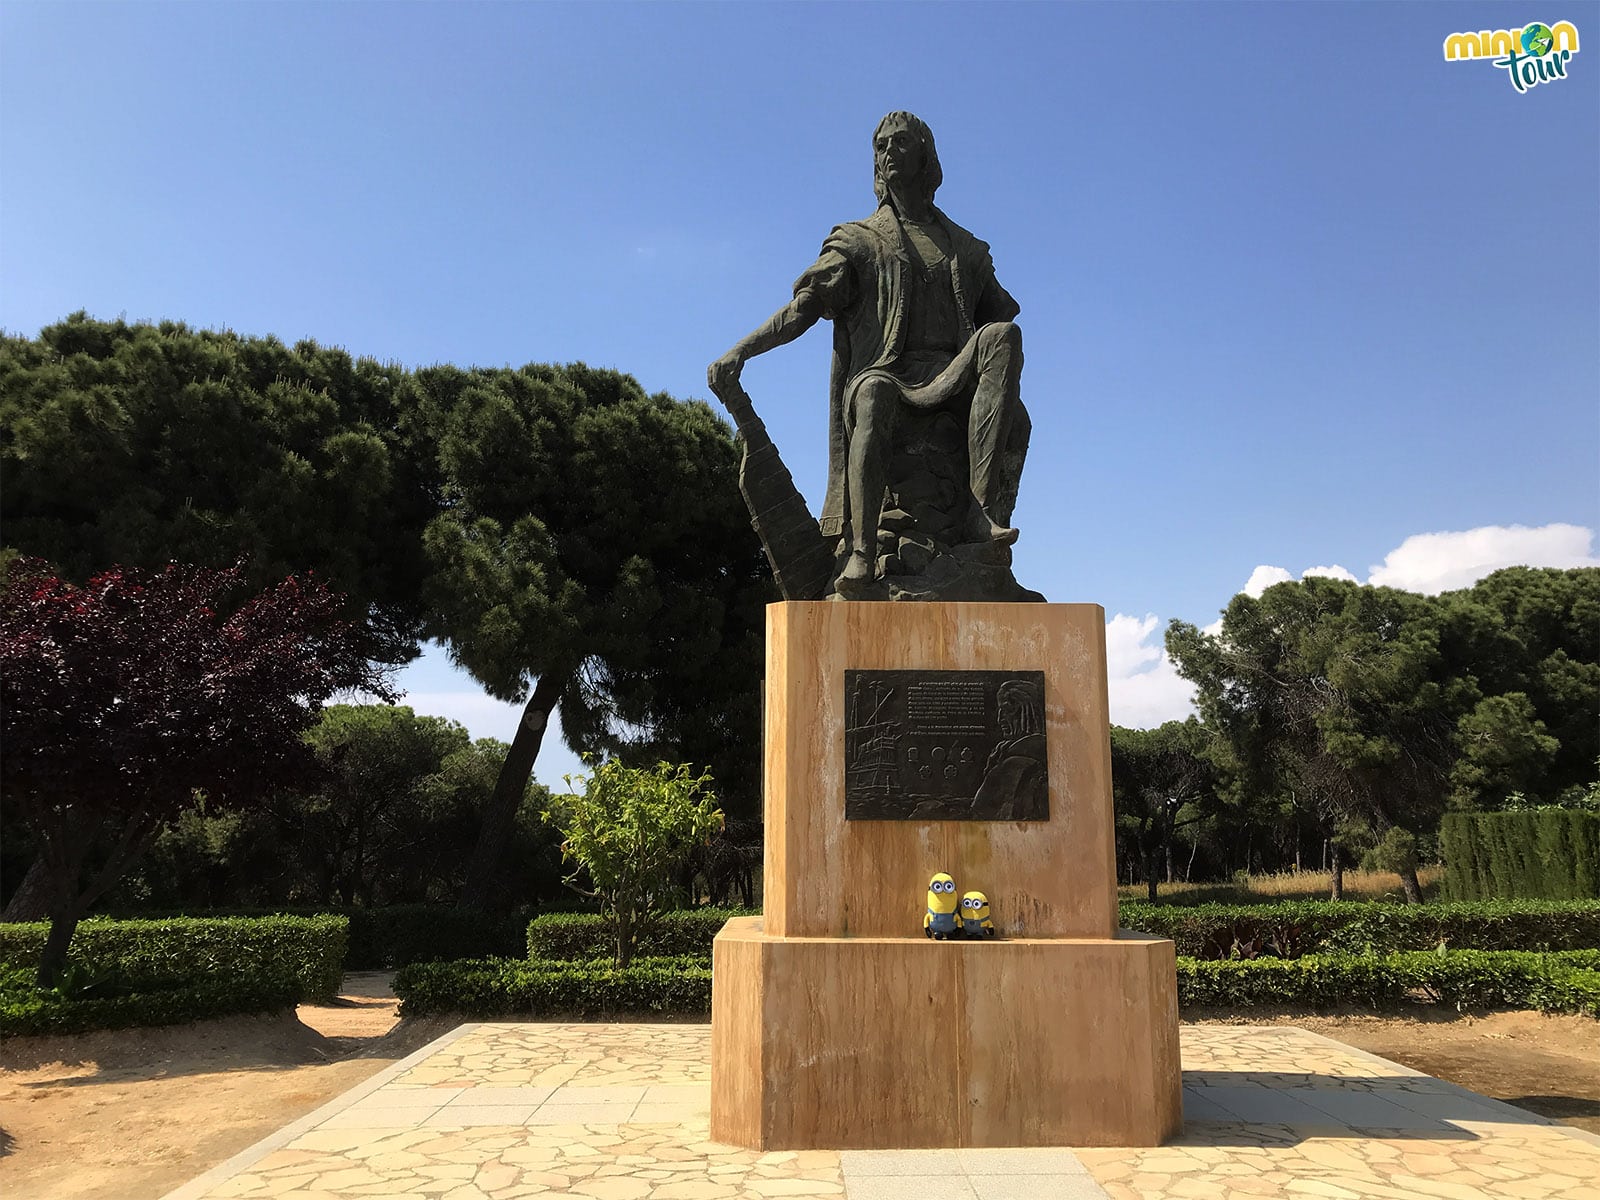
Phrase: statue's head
(902, 142)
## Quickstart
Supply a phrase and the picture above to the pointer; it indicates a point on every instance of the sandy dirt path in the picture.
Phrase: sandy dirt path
(133, 1115)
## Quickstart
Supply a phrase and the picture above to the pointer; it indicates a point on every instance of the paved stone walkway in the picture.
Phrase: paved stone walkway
(619, 1112)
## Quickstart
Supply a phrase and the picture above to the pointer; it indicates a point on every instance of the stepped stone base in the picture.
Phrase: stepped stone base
(889, 1043)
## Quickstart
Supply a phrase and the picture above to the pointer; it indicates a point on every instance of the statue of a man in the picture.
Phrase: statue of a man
(920, 323)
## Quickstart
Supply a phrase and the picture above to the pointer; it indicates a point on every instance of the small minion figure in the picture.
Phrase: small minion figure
(940, 920)
(975, 920)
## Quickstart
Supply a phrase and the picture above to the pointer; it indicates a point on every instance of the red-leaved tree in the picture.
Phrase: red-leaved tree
(122, 699)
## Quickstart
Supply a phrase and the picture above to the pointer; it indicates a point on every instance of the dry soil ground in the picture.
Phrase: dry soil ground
(129, 1116)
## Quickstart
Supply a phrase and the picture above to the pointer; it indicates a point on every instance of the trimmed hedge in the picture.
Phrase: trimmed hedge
(24, 1010)
(1566, 982)
(1288, 929)
(308, 952)
(1543, 852)
(506, 987)
(574, 937)
(1563, 982)
(397, 934)
(1296, 928)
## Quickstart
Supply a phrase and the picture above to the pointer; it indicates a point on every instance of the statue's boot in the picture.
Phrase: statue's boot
(986, 529)
(856, 581)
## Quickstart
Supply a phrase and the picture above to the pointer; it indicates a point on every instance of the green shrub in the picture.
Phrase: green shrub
(1568, 982)
(399, 934)
(1285, 929)
(1551, 853)
(307, 951)
(509, 987)
(24, 1010)
(1295, 928)
(573, 937)
(1463, 979)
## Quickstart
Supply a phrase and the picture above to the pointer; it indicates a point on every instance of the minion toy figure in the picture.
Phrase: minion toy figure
(940, 921)
(975, 920)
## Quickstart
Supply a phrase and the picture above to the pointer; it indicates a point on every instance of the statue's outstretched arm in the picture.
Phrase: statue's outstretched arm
(788, 323)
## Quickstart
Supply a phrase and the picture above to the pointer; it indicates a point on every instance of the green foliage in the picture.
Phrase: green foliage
(1334, 694)
(595, 549)
(559, 937)
(396, 812)
(628, 832)
(1540, 852)
(1568, 982)
(510, 987)
(385, 938)
(1210, 931)
(144, 444)
(1291, 930)
(306, 951)
(25, 1010)
(1532, 636)
(1462, 979)
(1341, 703)
(1395, 851)
(1164, 784)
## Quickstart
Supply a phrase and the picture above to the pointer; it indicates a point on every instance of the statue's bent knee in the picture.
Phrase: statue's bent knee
(875, 407)
(1000, 334)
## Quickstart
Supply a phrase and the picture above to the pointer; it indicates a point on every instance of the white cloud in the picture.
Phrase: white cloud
(1264, 577)
(1333, 572)
(1440, 562)
(1144, 685)
(1126, 651)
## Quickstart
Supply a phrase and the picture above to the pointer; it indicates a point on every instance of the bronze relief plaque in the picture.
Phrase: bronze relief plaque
(945, 746)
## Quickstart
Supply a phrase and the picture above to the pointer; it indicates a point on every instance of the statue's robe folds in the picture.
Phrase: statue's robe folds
(865, 281)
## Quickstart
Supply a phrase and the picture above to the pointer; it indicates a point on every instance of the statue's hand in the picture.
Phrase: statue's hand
(723, 375)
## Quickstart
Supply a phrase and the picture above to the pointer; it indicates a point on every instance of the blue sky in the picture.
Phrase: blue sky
(1295, 290)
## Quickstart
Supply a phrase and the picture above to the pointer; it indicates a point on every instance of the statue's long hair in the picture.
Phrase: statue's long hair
(932, 172)
(1027, 710)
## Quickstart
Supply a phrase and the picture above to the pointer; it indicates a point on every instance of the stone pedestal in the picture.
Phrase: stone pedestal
(835, 1023)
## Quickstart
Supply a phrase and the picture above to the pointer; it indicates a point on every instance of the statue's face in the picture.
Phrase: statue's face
(900, 154)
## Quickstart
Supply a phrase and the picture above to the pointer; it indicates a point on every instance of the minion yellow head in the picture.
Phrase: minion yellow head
(974, 907)
(941, 894)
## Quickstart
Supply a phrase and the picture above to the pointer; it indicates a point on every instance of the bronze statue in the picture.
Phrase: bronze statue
(926, 428)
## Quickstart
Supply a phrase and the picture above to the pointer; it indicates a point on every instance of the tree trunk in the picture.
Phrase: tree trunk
(515, 772)
(1411, 885)
(54, 957)
(1338, 875)
(31, 900)
(1169, 862)
(1150, 860)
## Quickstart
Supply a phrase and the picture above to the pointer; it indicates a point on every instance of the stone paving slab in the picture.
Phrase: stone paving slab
(504, 1111)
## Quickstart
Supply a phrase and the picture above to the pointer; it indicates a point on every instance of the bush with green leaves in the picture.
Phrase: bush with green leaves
(577, 936)
(627, 834)
(27, 1010)
(400, 934)
(307, 952)
(511, 987)
(1559, 982)
(1295, 928)
(1538, 852)
(1286, 929)
(1562, 982)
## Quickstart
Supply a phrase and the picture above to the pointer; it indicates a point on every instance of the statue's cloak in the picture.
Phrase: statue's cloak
(861, 279)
